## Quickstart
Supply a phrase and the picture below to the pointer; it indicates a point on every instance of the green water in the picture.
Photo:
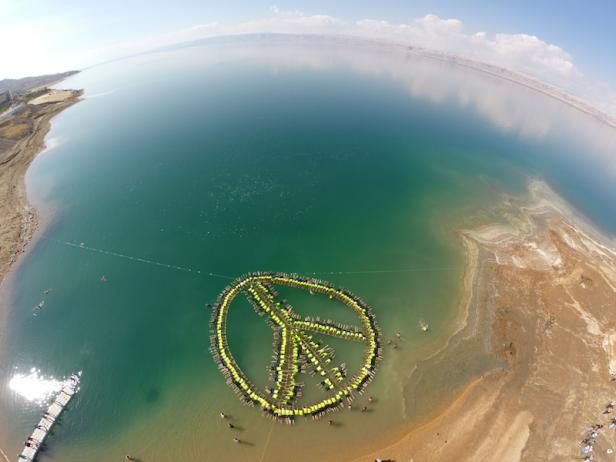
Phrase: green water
(235, 157)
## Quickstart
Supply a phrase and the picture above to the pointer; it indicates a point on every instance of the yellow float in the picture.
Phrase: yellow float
(296, 350)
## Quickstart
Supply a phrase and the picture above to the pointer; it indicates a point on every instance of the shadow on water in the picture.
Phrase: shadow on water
(152, 396)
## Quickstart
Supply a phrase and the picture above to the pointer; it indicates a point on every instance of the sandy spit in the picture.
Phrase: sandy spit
(546, 289)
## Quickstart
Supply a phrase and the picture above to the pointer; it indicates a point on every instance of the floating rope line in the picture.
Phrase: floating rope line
(265, 447)
(142, 260)
(218, 275)
(385, 271)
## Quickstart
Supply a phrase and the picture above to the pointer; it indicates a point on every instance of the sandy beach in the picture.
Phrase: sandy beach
(549, 319)
(22, 137)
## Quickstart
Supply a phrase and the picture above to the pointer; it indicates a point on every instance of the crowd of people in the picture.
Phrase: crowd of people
(296, 350)
(35, 441)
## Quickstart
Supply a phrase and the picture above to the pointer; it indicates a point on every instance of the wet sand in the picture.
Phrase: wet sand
(549, 307)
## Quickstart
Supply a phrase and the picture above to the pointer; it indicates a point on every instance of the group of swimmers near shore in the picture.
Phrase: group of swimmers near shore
(40, 305)
(230, 426)
(296, 350)
(330, 422)
(32, 443)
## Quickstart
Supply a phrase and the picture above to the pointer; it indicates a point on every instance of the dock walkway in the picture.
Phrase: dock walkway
(35, 441)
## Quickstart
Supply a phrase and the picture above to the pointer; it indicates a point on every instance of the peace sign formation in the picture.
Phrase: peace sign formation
(295, 348)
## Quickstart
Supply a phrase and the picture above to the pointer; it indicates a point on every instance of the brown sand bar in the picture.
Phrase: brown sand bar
(22, 137)
(550, 311)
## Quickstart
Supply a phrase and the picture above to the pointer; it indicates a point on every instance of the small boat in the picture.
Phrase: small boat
(424, 326)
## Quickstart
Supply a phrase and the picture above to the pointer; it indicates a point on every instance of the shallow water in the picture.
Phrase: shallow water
(349, 162)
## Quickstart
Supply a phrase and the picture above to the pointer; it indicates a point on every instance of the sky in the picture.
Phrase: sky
(569, 43)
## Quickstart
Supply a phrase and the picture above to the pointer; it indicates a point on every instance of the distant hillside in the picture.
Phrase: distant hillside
(20, 86)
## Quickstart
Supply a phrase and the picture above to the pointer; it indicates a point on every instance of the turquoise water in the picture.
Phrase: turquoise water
(236, 157)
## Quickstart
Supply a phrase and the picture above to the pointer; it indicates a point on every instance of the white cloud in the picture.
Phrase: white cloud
(519, 52)
(298, 17)
(27, 46)
(433, 23)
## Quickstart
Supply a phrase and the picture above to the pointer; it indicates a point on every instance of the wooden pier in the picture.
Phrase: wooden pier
(35, 441)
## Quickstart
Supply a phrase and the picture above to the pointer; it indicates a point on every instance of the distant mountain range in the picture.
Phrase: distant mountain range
(20, 86)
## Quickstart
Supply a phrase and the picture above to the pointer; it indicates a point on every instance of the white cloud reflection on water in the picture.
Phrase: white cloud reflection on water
(509, 107)
(34, 386)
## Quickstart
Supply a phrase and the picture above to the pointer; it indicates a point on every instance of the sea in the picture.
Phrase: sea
(182, 169)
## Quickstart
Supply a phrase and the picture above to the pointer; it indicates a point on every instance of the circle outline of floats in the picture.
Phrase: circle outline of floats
(248, 392)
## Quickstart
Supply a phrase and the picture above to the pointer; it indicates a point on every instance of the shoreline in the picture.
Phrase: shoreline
(508, 412)
(19, 218)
